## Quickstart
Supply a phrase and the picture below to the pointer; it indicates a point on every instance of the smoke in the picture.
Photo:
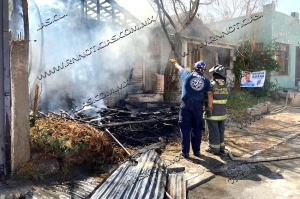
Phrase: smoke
(72, 36)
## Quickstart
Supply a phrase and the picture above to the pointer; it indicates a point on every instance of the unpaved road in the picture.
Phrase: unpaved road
(266, 137)
(276, 180)
(268, 180)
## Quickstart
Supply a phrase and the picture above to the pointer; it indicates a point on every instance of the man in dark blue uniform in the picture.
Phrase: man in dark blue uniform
(194, 87)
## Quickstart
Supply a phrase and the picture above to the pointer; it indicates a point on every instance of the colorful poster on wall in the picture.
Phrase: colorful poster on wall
(253, 79)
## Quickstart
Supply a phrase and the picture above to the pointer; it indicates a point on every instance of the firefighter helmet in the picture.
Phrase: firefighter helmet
(200, 65)
(219, 69)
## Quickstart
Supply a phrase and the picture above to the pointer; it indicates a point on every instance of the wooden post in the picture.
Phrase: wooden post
(36, 96)
(26, 21)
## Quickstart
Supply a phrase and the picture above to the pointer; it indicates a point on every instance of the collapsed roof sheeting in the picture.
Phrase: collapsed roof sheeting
(145, 180)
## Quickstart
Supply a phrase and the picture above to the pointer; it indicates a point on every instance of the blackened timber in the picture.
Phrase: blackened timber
(136, 122)
(157, 145)
(41, 113)
(132, 104)
(122, 123)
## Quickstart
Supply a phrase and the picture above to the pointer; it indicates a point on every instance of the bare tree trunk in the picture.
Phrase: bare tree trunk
(175, 42)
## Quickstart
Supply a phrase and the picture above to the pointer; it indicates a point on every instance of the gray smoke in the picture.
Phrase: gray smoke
(72, 36)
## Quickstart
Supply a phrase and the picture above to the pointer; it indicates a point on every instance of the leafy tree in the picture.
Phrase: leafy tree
(248, 59)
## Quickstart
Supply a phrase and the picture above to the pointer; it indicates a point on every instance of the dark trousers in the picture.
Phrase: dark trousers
(191, 124)
(216, 132)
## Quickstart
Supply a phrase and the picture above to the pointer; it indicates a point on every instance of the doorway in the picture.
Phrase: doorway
(297, 72)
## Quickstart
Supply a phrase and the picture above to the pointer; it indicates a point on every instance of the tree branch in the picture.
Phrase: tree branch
(190, 18)
(173, 1)
(163, 24)
(166, 14)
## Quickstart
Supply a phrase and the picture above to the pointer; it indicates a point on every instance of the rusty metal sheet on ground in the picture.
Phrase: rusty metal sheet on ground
(146, 179)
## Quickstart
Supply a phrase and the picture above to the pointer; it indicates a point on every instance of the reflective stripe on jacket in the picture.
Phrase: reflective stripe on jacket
(220, 96)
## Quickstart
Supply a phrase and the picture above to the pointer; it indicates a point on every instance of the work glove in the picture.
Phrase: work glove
(173, 61)
(210, 110)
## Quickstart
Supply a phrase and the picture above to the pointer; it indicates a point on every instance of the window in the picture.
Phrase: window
(155, 45)
(259, 47)
(282, 58)
(195, 55)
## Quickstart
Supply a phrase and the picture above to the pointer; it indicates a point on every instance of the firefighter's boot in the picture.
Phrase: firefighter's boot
(222, 148)
(212, 150)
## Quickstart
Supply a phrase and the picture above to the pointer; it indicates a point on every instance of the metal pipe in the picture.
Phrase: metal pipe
(117, 141)
(267, 159)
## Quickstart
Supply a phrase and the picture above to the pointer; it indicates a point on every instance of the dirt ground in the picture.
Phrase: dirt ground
(272, 136)
(211, 176)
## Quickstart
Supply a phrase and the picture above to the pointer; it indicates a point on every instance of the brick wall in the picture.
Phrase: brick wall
(157, 83)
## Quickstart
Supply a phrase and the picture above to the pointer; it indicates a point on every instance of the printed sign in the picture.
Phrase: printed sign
(253, 79)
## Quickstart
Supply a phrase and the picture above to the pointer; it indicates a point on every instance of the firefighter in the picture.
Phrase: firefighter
(194, 87)
(216, 117)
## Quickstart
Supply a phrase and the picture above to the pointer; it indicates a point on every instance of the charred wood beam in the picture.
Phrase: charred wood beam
(108, 16)
(157, 145)
(132, 104)
(166, 112)
(41, 113)
(89, 118)
(54, 113)
(155, 134)
(136, 122)
(26, 20)
(82, 8)
(120, 123)
(153, 131)
(94, 120)
(98, 10)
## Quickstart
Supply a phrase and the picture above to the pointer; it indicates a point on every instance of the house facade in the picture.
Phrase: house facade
(216, 52)
(273, 25)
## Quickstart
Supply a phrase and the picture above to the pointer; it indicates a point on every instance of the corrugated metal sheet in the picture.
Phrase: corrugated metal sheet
(146, 179)
(76, 189)
(177, 185)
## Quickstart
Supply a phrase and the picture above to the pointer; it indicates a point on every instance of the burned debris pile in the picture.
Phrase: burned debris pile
(134, 125)
(67, 135)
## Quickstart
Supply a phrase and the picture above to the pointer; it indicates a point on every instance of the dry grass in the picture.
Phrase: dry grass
(73, 142)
